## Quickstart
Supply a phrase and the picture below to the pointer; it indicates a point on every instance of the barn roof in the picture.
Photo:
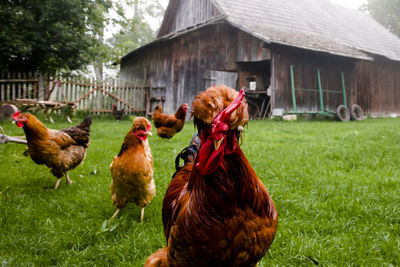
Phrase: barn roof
(316, 25)
(311, 24)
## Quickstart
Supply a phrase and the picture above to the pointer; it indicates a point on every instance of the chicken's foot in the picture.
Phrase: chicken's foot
(141, 214)
(68, 180)
(57, 183)
(115, 214)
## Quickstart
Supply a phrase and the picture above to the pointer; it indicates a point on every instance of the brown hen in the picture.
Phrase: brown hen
(216, 211)
(132, 169)
(168, 125)
(60, 150)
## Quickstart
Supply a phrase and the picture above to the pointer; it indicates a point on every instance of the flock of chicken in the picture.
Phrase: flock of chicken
(216, 211)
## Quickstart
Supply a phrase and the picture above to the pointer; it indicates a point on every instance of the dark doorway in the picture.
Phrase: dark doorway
(255, 78)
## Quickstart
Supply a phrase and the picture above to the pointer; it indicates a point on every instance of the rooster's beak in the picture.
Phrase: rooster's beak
(13, 121)
(149, 133)
(217, 143)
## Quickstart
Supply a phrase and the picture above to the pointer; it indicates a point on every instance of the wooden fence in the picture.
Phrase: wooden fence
(83, 94)
(18, 85)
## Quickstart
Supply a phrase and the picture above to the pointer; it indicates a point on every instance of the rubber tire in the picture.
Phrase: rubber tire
(342, 113)
(356, 113)
(6, 111)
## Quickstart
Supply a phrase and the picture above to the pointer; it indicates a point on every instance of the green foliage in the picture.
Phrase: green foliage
(134, 31)
(49, 35)
(336, 187)
(54, 35)
(386, 12)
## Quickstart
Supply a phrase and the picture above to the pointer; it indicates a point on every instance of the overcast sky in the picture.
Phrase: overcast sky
(354, 4)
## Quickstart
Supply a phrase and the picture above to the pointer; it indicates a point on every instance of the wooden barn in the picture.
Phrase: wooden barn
(276, 50)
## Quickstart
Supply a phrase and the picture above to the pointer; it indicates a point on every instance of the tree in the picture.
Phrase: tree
(49, 35)
(386, 12)
(134, 30)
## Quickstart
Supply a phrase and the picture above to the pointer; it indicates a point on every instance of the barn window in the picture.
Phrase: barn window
(216, 77)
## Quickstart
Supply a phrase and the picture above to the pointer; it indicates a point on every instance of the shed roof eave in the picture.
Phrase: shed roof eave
(361, 57)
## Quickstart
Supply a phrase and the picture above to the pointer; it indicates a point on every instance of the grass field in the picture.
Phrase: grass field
(336, 187)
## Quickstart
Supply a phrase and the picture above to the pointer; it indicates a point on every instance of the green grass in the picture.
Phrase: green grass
(336, 187)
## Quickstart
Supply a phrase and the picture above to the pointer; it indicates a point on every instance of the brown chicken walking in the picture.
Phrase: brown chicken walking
(168, 125)
(60, 150)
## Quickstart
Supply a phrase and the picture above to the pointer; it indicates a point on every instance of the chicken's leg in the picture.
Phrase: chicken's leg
(68, 180)
(115, 214)
(141, 214)
(57, 183)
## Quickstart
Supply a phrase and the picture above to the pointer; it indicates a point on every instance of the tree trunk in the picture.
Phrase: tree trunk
(98, 70)
(136, 9)
(98, 63)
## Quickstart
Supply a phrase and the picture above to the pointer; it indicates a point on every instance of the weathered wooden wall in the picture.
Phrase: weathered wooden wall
(187, 13)
(305, 76)
(251, 49)
(186, 65)
(220, 53)
(377, 86)
(374, 85)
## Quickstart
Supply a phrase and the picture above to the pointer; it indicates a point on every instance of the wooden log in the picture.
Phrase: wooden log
(5, 139)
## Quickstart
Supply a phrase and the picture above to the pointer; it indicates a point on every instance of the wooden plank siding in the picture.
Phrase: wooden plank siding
(305, 76)
(186, 14)
(378, 86)
(374, 85)
(221, 53)
(185, 65)
(251, 49)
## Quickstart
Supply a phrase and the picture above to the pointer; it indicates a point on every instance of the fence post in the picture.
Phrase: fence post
(13, 93)
(2, 88)
(42, 86)
(147, 101)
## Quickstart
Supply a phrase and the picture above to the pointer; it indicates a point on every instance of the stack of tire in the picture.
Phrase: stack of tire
(343, 113)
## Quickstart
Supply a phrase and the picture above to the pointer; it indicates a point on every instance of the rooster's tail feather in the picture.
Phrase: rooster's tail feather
(85, 124)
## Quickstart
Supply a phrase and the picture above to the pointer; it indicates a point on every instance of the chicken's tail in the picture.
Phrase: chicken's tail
(85, 124)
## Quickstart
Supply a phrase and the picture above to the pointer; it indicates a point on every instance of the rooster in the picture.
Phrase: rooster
(216, 211)
(132, 169)
(60, 150)
(117, 114)
(168, 125)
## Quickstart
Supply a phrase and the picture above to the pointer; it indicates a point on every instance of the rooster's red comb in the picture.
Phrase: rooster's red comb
(15, 115)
